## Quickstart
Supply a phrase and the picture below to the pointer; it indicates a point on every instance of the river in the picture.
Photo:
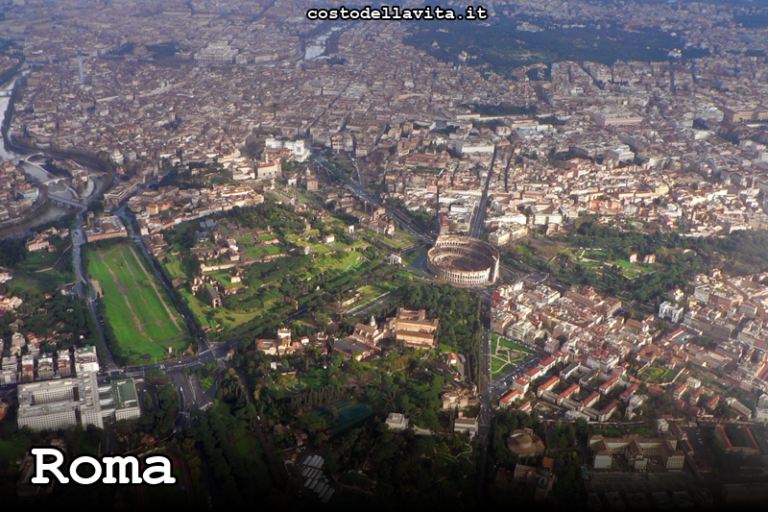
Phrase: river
(37, 173)
(4, 101)
(317, 46)
(51, 212)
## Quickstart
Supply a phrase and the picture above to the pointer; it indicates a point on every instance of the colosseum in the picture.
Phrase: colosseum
(464, 261)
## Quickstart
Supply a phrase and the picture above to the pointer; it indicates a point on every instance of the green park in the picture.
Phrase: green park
(506, 354)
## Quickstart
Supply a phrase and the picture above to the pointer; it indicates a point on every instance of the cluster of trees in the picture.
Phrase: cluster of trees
(272, 399)
(181, 178)
(553, 120)
(42, 312)
(398, 468)
(499, 47)
(423, 220)
(675, 274)
(284, 276)
(562, 437)
(242, 478)
(680, 258)
(13, 252)
(752, 20)
(309, 399)
(536, 74)
(266, 214)
(157, 421)
(67, 314)
(417, 395)
(233, 393)
(562, 446)
(50, 166)
(168, 410)
(182, 236)
(458, 312)
(502, 424)
(569, 486)
(405, 469)
(742, 252)
(207, 373)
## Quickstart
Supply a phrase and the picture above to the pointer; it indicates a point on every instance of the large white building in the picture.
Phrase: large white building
(217, 54)
(669, 310)
(473, 146)
(63, 403)
(297, 147)
(761, 412)
(80, 400)
(397, 422)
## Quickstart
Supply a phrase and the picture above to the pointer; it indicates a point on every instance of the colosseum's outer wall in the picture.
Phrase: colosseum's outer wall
(464, 261)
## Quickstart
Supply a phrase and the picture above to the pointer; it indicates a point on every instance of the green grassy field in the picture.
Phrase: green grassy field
(245, 240)
(657, 375)
(39, 260)
(394, 244)
(505, 354)
(20, 284)
(225, 279)
(498, 366)
(172, 264)
(596, 258)
(260, 251)
(351, 259)
(142, 317)
(219, 316)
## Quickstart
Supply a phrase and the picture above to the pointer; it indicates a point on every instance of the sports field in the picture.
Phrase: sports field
(143, 319)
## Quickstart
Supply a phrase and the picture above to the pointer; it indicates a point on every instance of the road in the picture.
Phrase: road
(479, 218)
(191, 396)
(378, 302)
(360, 190)
(485, 410)
(84, 289)
(210, 355)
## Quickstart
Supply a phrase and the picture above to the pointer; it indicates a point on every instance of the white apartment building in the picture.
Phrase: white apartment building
(86, 360)
(670, 311)
(57, 404)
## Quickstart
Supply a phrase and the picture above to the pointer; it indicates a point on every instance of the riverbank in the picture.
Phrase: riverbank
(87, 159)
(20, 147)
(17, 90)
